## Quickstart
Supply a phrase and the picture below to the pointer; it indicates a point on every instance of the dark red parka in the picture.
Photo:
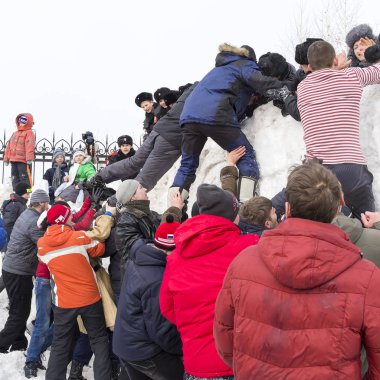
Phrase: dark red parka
(205, 247)
(299, 305)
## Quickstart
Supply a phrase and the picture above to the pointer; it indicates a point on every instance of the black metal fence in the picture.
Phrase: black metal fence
(44, 152)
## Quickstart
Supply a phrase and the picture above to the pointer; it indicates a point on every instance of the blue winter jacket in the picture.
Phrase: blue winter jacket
(3, 235)
(222, 96)
(141, 332)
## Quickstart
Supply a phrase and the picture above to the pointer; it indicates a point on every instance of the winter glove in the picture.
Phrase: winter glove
(95, 195)
(29, 162)
(95, 181)
(277, 93)
(372, 54)
(6, 163)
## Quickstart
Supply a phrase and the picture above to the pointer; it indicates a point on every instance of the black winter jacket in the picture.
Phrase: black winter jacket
(49, 174)
(119, 156)
(11, 209)
(141, 332)
(115, 259)
(152, 118)
(133, 224)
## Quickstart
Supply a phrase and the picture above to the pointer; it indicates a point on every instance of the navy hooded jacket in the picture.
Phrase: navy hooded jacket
(222, 96)
(141, 332)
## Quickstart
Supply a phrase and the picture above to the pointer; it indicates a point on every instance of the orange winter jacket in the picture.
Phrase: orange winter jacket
(20, 147)
(66, 253)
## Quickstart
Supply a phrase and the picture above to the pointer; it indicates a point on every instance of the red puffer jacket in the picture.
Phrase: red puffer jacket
(299, 306)
(205, 247)
(20, 147)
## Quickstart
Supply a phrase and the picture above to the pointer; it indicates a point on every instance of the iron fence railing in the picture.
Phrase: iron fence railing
(44, 152)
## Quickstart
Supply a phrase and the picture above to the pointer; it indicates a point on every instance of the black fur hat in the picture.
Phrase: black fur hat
(273, 64)
(358, 32)
(124, 139)
(171, 97)
(252, 54)
(301, 50)
(142, 97)
(160, 93)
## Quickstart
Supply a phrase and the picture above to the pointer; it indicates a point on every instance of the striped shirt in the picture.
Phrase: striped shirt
(329, 105)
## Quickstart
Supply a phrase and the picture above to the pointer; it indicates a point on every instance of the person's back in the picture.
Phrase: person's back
(11, 209)
(205, 246)
(301, 304)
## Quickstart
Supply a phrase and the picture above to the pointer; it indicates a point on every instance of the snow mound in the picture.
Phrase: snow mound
(279, 145)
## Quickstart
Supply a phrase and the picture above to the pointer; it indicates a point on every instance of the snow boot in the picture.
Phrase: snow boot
(30, 369)
(76, 371)
(248, 187)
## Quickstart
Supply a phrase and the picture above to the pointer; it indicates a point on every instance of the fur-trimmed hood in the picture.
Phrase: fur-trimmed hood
(229, 53)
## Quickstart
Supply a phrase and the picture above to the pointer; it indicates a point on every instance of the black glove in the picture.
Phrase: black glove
(277, 93)
(95, 181)
(95, 196)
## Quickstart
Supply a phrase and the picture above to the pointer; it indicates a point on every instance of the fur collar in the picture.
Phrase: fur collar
(227, 48)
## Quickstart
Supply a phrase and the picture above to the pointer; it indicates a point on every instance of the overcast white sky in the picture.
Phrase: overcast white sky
(77, 65)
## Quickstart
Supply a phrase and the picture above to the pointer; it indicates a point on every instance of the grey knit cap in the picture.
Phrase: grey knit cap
(39, 196)
(212, 200)
(358, 32)
(126, 190)
(58, 152)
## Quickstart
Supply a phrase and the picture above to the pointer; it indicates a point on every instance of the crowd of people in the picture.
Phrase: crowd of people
(239, 287)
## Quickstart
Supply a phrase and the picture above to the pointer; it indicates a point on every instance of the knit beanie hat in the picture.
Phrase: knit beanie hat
(58, 214)
(22, 188)
(142, 97)
(164, 236)
(58, 152)
(78, 152)
(212, 200)
(160, 93)
(126, 190)
(39, 196)
(301, 50)
(251, 52)
(358, 32)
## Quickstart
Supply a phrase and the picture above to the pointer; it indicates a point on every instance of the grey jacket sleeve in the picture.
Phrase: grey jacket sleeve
(291, 107)
(259, 82)
(34, 232)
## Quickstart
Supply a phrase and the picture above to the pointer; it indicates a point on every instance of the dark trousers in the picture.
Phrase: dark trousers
(151, 161)
(194, 137)
(356, 181)
(19, 289)
(19, 173)
(163, 366)
(65, 324)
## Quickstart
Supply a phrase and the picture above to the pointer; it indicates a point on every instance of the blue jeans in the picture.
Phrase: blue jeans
(42, 335)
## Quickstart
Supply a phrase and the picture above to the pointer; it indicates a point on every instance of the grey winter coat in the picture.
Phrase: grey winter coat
(367, 239)
(21, 255)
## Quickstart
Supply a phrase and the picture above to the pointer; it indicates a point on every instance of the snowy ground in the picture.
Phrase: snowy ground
(279, 145)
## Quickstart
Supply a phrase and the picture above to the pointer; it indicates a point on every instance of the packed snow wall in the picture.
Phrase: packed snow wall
(279, 145)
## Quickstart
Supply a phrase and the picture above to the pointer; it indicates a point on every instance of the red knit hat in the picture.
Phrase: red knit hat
(164, 236)
(58, 214)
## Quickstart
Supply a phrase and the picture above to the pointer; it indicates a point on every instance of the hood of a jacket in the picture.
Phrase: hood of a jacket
(251, 228)
(57, 235)
(202, 234)
(144, 253)
(351, 226)
(29, 122)
(303, 254)
(229, 53)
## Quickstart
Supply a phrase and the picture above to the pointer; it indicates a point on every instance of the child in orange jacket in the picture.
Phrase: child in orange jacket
(20, 150)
